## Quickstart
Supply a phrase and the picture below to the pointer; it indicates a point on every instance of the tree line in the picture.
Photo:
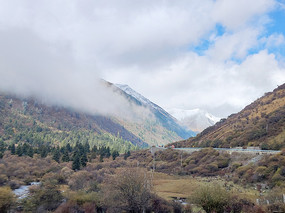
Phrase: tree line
(79, 154)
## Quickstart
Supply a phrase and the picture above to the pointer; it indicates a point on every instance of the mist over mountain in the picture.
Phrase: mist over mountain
(195, 119)
(141, 123)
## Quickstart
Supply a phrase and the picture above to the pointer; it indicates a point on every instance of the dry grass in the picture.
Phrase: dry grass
(168, 186)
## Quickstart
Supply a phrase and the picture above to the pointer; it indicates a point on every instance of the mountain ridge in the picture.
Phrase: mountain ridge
(166, 119)
(261, 123)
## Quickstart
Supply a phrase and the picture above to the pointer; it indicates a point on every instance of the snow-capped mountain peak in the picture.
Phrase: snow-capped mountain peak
(161, 116)
(195, 119)
(136, 95)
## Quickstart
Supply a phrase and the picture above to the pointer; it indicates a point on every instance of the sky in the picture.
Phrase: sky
(217, 55)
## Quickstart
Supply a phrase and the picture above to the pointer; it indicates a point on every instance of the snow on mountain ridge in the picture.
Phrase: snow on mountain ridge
(162, 116)
(195, 119)
(136, 95)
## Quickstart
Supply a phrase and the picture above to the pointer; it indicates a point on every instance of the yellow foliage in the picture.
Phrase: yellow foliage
(6, 198)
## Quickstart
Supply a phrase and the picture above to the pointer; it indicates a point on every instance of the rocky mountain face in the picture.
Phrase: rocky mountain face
(195, 119)
(159, 122)
(262, 123)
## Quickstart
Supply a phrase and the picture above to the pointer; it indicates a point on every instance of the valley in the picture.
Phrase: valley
(83, 159)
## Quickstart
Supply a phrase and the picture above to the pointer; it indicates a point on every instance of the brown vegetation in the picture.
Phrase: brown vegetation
(261, 123)
(271, 169)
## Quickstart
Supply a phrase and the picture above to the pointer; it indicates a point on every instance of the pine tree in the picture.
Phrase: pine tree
(126, 155)
(101, 157)
(25, 148)
(94, 149)
(2, 146)
(30, 152)
(68, 147)
(115, 154)
(65, 157)
(83, 160)
(56, 155)
(76, 162)
(43, 151)
(13, 149)
(19, 150)
(108, 153)
(87, 147)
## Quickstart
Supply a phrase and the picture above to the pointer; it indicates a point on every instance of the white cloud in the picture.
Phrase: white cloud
(274, 40)
(235, 14)
(199, 81)
(143, 43)
(234, 45)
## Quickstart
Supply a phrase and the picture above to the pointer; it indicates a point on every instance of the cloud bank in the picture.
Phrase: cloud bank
(217, 55)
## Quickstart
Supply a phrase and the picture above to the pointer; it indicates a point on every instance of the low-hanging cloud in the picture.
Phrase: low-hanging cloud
(32, 67)
(57, 50)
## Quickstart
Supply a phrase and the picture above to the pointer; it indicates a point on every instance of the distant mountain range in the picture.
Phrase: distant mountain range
(262, 123)
(195, 119)
(31, 120)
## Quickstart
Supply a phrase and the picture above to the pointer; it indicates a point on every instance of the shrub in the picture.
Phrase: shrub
(212, 198)
(129, 190)
(82, 197)
(46, 198)
(6, 199)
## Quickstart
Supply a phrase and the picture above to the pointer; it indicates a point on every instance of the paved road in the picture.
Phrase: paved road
(190, 150)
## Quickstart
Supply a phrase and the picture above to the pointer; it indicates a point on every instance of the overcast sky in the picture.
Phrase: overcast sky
(218, 55)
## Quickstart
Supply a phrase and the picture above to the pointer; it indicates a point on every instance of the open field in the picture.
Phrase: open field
(169, 186)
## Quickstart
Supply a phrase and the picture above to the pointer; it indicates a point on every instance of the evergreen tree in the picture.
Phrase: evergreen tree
(62, 150)
(2, 146)
(56, 155)
(101, 157)
(65, 157)
(1, 155)
(115, 154)
(43, 151)
(13, 149)
(127, 154)
(93, 155)
(94, 149)
(30, 152)
(108, 153)
(68, 147)
(19, 150)
(87, 147)
(83, 160)
(25, 148)
(76, 162)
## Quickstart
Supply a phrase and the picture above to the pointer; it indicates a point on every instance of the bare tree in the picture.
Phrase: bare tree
(128, 190)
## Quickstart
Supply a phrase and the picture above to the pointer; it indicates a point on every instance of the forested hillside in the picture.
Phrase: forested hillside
(25, 120)
(261, 123)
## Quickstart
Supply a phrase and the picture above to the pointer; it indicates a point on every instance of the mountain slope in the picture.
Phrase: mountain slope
(169, 125)
(261, 123)
(145, 123)
(27, 120)
(195, 119)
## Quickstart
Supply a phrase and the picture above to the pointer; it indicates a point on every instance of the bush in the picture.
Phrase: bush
(46, 198)
(211, 198)
(129, 190)
(6, 199)
(81, 197)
